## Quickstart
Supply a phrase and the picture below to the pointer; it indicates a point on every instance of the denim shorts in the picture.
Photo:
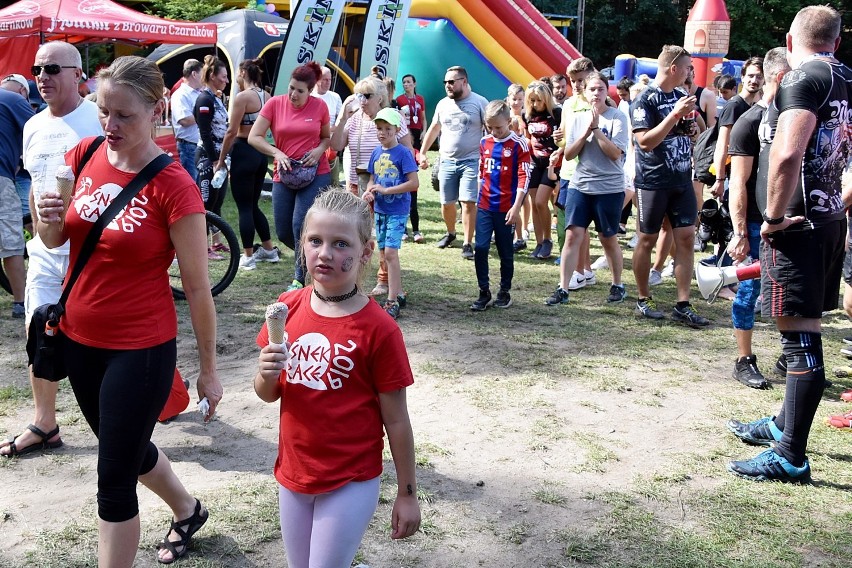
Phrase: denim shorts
(389, 230)
(458, 180)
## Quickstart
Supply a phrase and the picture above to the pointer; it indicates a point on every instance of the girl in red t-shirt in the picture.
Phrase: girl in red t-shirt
(341, 378)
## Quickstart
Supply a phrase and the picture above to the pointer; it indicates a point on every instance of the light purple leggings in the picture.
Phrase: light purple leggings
(325, 530)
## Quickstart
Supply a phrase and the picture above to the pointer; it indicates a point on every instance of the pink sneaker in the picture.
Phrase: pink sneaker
(213, 255)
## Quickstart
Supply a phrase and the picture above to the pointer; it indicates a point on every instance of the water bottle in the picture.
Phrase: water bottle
(221, 174)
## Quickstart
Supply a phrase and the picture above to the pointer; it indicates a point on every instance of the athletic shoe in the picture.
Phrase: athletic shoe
(617, 294)
(770, 466)
(848, 340)
(558, 261)
(600, 263)
(648, 308)
(446, 240)
(380, 290)
(577, 281)
(546, 249)
(709, 261)
(392, 308)
(668, 271)
(220, 247)
(536, 251)
(247, 263)
(402, 299)
(519, 245)
(687, 315)
(590, 278)
(559, 296)
(634, 240)
(655, 278)
(758, 306)
(418, 237)
(467, 251)
(840, 420)
(295, 285)
(844, 371)
(760, 432)
(482, 302)
(846, 352)
(525, 234)
(263, 255)
(698, 245)
(213, 255)
(781, 365)
(18, 310)
(746, 372)
(622, 229)
(504, 299)
(405, 236)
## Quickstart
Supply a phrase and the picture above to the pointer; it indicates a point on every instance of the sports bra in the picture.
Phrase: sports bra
(250, 118)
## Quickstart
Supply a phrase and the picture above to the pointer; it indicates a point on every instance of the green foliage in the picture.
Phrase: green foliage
(189, 10)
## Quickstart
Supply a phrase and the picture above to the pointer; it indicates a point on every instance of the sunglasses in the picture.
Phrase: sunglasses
(50, 69)
(363, 96)
(451, 82)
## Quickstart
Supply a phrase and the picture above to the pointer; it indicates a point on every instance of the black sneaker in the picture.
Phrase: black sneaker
(846, 351)
(559, 296)
(402, 299)
(519, 245)
(746, 372)
(648, 308)
(770, 466)
(504, 299)
(687, 315)
(617, 294)
(760, 432)
(482, 302)
(848, 340)
(446, 240)
(781, 365)
(467, 252)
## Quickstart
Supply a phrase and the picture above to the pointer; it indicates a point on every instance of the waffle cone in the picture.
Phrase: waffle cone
(276, 317)
(65, 188)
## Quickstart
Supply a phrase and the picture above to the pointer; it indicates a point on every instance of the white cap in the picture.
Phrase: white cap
(19, 79)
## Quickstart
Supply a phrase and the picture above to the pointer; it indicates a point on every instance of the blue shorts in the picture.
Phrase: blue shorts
(602, 208)
(389, 230)
(458, 180)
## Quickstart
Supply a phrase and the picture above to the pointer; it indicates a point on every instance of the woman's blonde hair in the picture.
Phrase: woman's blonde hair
(373, 86)
(542, 92)
(349, 207)
(140, 75)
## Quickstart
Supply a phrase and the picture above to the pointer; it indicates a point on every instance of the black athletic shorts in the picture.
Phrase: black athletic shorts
(676, 203)
(800, 271)
(538, 174)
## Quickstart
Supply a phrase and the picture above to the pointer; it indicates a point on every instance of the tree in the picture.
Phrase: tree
(188, 10)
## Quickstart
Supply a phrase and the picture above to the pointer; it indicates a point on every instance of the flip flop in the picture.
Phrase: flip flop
(192, 524)
(45, 444)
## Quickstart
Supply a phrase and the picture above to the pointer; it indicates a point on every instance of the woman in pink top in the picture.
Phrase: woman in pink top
(301, 130)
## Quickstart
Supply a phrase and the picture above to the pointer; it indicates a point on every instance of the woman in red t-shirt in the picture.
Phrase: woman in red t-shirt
(301, 131)
(120, 323)
(340, 376)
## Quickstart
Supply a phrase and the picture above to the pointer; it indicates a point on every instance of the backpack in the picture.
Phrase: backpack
(702, 155)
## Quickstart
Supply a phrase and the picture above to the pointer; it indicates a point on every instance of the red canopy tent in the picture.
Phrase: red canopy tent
(26, 24)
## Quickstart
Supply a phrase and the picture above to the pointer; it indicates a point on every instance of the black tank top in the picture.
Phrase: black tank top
(700, 110)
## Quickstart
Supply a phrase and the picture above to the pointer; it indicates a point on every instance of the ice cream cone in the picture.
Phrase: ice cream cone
(65, 186)
(276, 317)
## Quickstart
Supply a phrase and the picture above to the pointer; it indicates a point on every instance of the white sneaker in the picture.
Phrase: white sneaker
(590, 278)
(577, 281)
(668, 271)
(263, 255)
(655, 278)
(633, 241)
(600, 263)
(247, 263)
(698, 246)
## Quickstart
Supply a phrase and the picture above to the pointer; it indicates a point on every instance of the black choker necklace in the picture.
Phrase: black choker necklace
(336, 299)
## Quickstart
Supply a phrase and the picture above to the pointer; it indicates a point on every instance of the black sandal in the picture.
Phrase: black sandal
(192, 524)
(45, 444)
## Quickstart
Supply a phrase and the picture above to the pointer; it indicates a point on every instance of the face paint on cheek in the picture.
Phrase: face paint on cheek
(347, 264)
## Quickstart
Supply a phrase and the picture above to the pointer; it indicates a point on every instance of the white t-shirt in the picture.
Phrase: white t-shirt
(46, 140)
(183, 103)
(334, 104)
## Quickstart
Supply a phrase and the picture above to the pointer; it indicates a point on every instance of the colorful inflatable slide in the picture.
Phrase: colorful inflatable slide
(498, 41)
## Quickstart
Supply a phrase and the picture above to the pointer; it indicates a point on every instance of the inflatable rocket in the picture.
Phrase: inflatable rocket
(708, 33)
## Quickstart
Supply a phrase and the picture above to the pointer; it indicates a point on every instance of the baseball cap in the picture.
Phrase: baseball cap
(390, 116)
(19, 79)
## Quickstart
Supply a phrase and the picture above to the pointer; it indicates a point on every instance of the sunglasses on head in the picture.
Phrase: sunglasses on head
(364, 96)
(50, 69)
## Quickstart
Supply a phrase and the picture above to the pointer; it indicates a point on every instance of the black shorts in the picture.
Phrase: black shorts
(676, 203)
(800, 271)
(847, 258)
(538, 174)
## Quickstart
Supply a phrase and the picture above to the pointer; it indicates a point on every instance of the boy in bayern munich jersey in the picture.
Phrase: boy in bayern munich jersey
(504, 167)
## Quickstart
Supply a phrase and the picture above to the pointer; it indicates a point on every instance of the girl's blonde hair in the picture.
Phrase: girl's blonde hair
(513, 90)
(349, 207)
(542, 92)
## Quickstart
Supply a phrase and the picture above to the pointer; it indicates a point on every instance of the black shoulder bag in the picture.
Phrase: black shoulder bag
(44, 342)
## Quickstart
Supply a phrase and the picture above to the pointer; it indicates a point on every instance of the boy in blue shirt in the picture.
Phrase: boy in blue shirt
(394, 177)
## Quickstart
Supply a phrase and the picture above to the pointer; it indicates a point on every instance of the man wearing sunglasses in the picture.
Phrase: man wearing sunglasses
(460, 119)
(47, 136)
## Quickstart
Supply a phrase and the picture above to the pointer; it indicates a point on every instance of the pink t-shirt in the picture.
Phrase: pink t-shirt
(363, 139)
(296, 131)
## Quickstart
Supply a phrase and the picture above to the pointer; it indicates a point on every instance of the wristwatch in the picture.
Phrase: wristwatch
(770, 221)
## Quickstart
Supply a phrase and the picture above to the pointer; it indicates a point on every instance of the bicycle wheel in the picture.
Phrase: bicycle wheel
(222, 272)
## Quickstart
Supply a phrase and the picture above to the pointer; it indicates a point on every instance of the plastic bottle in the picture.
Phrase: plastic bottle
(221, 174)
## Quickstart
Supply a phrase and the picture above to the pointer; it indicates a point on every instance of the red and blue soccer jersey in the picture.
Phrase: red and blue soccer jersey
(504, 168)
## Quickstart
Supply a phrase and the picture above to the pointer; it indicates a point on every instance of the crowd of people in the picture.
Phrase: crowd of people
(556, 155)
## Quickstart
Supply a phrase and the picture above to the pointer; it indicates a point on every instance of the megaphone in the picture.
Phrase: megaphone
(711, 279)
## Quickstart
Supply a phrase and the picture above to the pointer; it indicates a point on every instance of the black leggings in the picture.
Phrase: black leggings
(213, 198)
(121, 394)
(413, 213)
(248, 170)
